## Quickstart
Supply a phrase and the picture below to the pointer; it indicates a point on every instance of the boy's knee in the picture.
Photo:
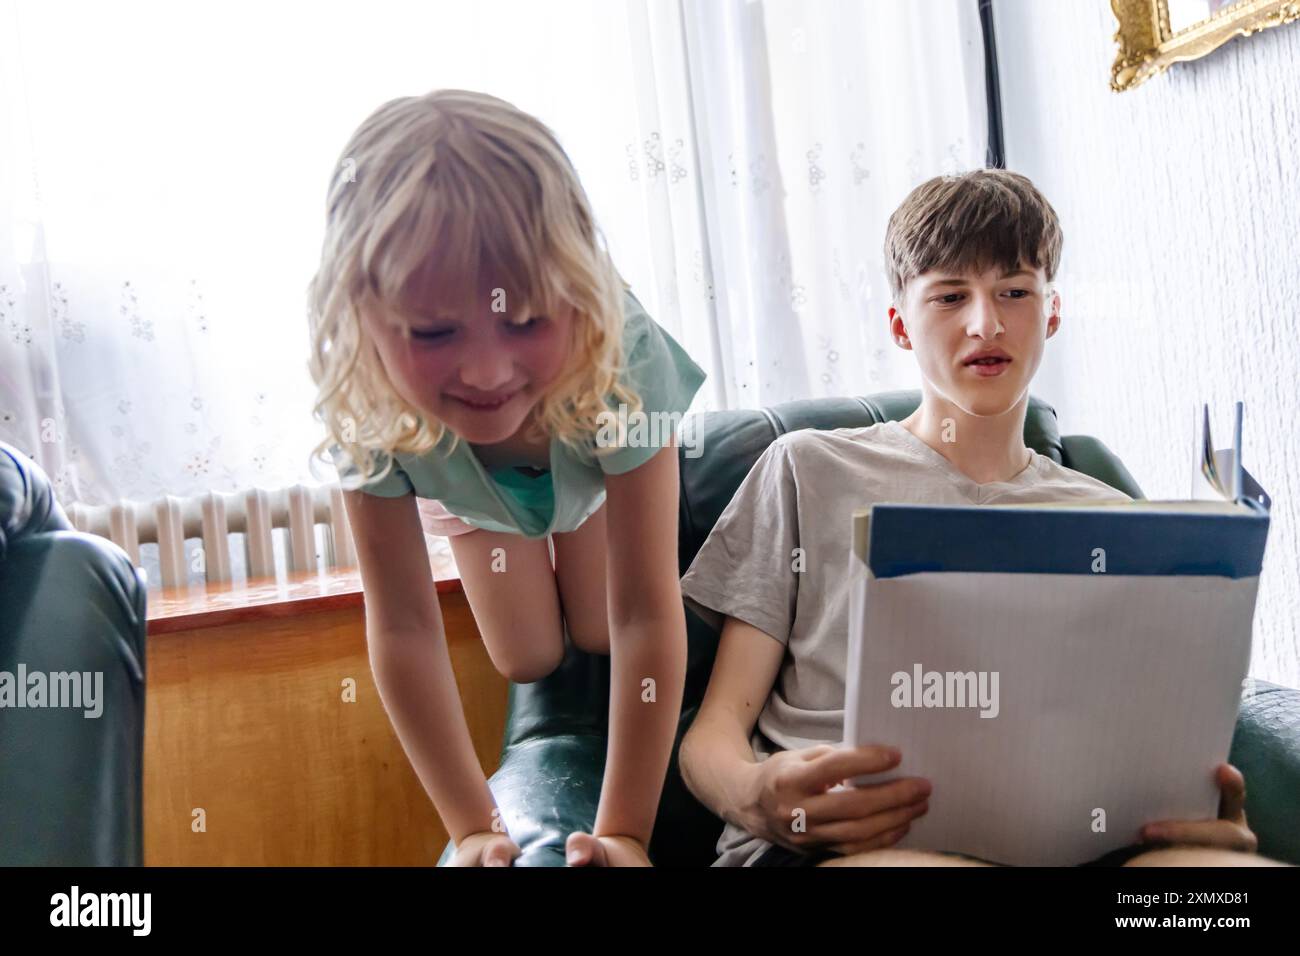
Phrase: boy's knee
(892, 856)
(1199, 856)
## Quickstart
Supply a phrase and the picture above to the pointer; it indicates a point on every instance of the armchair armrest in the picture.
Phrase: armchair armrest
(547, 787)
(1266, 749)
(553, 763)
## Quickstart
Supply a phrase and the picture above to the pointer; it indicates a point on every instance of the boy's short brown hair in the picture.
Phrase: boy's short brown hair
(982, 219)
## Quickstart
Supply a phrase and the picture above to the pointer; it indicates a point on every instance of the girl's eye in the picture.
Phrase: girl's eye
(528, 325)
(430, 335)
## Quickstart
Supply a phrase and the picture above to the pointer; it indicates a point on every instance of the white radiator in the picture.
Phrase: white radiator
(214, 516)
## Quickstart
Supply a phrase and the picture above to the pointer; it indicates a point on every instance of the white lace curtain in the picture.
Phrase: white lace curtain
(162, 179)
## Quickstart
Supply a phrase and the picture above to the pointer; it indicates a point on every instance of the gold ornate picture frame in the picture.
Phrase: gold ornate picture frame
(1148, 46)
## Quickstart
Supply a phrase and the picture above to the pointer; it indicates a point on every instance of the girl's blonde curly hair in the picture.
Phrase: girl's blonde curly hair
(464, 186)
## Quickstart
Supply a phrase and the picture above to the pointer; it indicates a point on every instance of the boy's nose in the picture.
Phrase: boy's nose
(984, 322)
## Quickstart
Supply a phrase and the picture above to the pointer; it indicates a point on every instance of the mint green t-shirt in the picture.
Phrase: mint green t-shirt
(561, 499)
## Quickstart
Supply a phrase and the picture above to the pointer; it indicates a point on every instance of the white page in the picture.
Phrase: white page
(1123, 704)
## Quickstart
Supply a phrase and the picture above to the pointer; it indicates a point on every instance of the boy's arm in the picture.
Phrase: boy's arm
(787, 798)
(744, 574)
(716, 759)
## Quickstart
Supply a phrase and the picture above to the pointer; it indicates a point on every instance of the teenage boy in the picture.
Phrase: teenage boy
(971, 262)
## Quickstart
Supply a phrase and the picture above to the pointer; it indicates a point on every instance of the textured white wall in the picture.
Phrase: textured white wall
(1181, 275)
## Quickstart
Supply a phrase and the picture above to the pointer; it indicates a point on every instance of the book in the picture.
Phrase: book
(1062, 673)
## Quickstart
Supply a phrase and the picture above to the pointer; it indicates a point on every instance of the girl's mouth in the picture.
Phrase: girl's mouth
(485, 403)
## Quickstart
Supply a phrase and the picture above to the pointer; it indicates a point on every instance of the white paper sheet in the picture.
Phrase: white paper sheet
(1109, 717)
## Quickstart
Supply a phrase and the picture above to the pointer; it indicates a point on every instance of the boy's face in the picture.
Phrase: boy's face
(479, 373)
(978, 337)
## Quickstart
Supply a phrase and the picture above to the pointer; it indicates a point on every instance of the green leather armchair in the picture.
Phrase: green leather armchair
(553, 758)
(71, 785)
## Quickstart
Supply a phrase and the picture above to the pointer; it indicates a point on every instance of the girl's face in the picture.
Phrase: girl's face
(479, 373)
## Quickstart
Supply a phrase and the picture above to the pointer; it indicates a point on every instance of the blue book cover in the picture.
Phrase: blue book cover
(1135, 538)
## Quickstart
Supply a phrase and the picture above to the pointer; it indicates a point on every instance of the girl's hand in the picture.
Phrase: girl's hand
(1228, 832)
(486, 848)
(583, 849)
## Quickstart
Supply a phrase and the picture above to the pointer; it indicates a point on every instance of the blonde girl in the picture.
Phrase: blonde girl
(472, 345)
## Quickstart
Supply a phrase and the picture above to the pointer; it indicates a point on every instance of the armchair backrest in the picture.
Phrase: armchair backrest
(731, 441)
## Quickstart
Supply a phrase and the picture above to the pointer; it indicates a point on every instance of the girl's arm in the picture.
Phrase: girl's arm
(647, 644)
(411, 665)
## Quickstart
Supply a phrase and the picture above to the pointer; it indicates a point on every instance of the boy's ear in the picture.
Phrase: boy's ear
(1054, 313)
(897, 330)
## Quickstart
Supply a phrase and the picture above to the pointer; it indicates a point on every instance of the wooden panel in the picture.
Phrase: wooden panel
(247, 722)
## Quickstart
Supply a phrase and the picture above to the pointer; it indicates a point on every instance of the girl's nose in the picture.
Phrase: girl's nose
(486, 370)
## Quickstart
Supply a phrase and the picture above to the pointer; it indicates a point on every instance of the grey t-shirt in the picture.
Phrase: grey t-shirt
(801, 494)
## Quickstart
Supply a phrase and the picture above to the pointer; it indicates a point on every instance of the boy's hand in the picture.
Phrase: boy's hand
(487, 848)
(583, 849)
(1229, 832)
(793, 804)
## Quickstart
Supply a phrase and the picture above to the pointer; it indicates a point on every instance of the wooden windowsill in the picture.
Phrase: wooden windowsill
(306, 592)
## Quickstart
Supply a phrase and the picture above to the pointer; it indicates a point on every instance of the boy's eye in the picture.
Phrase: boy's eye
(1017, 293)
(950, 299)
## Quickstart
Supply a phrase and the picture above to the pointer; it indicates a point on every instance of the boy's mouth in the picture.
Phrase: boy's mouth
(988, 363)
